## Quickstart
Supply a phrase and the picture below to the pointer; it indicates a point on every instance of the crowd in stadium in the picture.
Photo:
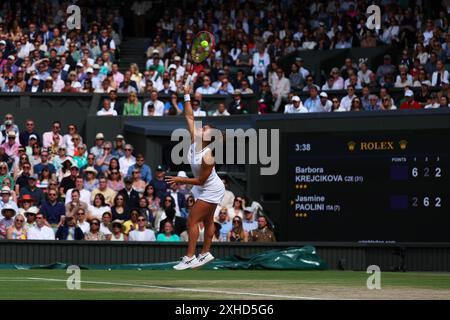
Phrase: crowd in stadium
(38, 53)
(56, 186)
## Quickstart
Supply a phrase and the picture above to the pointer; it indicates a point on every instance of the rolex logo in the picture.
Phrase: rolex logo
(351, 145)
(403, 144)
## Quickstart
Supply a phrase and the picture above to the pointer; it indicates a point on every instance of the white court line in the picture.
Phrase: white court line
(185, 289)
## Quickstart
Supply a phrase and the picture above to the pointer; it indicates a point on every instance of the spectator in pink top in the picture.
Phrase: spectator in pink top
(11, 146)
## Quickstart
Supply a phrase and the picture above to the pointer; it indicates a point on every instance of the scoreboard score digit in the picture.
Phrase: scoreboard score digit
(369, 187)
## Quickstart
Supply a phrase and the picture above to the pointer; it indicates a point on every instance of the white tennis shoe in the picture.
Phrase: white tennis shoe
(203, 259)
(186, 263)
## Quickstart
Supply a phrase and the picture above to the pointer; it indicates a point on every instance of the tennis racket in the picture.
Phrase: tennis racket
(203, 45)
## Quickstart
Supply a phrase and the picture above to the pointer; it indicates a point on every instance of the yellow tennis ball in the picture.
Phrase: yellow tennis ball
(205, 44)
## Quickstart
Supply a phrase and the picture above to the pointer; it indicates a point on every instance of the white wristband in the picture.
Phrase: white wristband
(187, 97)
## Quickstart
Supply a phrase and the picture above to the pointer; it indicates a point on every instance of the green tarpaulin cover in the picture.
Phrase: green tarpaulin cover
(304, 258)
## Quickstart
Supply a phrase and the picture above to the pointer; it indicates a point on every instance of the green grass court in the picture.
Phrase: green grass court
(211, 284)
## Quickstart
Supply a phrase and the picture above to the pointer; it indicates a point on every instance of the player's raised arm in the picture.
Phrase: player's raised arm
(188, 113)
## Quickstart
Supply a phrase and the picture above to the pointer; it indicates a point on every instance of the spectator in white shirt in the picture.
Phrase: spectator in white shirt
(325, 104)
(157, 105)
(40, 231)
(296, 106)
(364, 73)
(346, 102)
(329, 84)
(198, 112)
(106, 109)
(280, 89)
(439, 75)
(127, 160)
(142, 233)
(206, 88)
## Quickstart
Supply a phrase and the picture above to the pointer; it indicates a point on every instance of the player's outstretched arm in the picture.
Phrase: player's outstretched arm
(188, 113)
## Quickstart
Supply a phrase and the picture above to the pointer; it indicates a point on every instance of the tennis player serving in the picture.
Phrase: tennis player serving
(208, 189)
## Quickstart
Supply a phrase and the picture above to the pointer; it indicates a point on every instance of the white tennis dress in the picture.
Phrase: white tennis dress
(213, 190)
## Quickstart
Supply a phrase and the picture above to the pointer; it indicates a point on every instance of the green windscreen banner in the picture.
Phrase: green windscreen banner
(304, 258)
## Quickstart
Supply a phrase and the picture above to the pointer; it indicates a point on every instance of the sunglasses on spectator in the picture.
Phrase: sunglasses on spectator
(95, 224)
(20, 220)
(141, 220)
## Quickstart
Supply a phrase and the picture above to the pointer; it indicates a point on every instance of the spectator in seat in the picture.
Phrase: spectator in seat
(104, 160)
(410, 103)
(69, 181)
(440, 74)
(146, 172)
(263, 233)
(196, 108)
(69, 230)
(118, 231)
(325, 104)
(237, 233)
(386, 103)
(310, 84)
(36, 85)
(237, 106)
(31, 190)
(97, 149)
(221, 111)
(47, 137)
(82, 220)
(75, 204)
(11, 147)
(280, 89)
(131, 196)
(433, 103)
(374, 103)
(52, 209)
(356, 105)
(94, 233)
(157, 105)
(84, 194)
(44, 164)
(206, 88)
(106, 109)
(173, 107)
(179, 223)
(29, 130)
(225, 223)
(114, 102)
(387, 68)
(249, 223)
(346, 102)
(296, 78)
(40, 231)
(296, 106)
(108, 193)
(133, 107)
(17, 231)
(142, 233)
(8, 213)
(168, 234)
(312, 104)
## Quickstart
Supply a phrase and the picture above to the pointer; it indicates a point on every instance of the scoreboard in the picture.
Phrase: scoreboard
(376, 187)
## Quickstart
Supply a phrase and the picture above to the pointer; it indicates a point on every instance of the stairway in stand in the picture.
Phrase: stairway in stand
(133, 50)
